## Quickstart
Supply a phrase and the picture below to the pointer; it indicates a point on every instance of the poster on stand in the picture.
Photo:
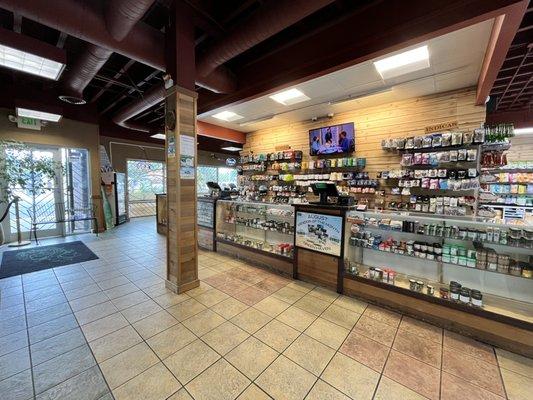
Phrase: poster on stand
(187, 152)
(319, 232)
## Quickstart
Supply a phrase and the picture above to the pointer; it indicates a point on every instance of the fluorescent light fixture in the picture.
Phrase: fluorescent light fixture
(228, 116)
(356, 96)
(43, 116)
(231, 148)
(159, 136)
(32, 64)
(289, 97)
(403, 63)
(523, 131)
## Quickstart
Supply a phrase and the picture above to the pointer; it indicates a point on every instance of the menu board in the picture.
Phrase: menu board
(319, 232)
(205, 213)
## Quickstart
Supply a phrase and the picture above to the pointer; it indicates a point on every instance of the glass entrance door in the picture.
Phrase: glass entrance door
(32, 204)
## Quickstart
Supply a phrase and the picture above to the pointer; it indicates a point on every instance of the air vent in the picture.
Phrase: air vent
(72, 99)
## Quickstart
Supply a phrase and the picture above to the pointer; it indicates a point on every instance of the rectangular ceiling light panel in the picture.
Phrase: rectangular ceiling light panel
(43, 116)
(159, 136)
(403, 63)
(231, 148)
(290, 97)
(228, 116)
(30, 63)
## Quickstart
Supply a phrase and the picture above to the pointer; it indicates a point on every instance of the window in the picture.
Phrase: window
(222, 175)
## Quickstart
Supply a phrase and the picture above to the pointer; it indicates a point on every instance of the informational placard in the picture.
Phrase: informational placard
(319, 232)
(187, 152)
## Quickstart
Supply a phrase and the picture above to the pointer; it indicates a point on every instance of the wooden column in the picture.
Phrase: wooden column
(181, 157)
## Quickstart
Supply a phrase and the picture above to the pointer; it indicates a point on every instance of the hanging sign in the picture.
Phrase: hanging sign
(29, 123)
(319, 232)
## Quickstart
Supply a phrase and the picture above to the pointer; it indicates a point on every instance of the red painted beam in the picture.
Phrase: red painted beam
(386, 27)
(503, 32)
(219, 132)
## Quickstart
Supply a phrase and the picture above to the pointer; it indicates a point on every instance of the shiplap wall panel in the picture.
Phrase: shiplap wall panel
(373, 124)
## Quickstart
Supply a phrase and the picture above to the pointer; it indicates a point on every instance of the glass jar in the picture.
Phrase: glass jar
(464, 295)
(477, 298)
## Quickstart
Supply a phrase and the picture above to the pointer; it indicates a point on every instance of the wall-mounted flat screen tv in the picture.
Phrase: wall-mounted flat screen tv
(334, 139)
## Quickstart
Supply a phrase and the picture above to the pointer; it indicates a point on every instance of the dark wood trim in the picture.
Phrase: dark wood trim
(446, 303)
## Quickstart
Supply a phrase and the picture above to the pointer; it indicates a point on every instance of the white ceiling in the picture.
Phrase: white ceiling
(455, 60)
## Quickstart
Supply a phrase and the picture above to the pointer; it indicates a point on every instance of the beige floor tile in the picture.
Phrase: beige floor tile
(288, 295)
(390, 390)
(155, 323)
(114, 343)
(140, 311)
(351, 377)
(296, 318)
(302, 286)
(225, 337)
(340, 316)
(517, 386)
(251, 320)
(130, 299)
(104, 326)
(312, 304)
(221, 381)
(515, 363)
(171, 340)
(128, 364)
(284, 379)
(229, 308)
(310, 354)
(323, 391)
(350, 303)
(277, 335)
(383, 315)
(203, 322)
(186, 309)
(324, 294)
(190, 361)
(272, 306)
(327, 332)
(211, 297)
(251, 357)
(253, 392)
(181, 394)
(204, 287)
(167, 300)
(95, 312)
(153, 384)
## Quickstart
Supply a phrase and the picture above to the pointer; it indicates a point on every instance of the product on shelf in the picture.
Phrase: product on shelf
(438, 157)
(284, 249)
(434, 141)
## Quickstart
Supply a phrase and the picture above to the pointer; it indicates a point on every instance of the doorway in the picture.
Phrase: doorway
(145, 179)
(69, 192)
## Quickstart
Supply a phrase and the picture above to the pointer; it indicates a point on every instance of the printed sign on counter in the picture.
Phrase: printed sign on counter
(319, 232)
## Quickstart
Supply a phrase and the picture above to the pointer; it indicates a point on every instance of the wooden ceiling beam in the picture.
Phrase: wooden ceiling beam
(503, 32)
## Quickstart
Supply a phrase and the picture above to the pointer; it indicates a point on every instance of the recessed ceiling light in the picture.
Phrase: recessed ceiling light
(403, 63)
(228, 116)
(159, 136)
(523, 131)
(30, 63)
(289, 97)
(43, 116)
(231, 148)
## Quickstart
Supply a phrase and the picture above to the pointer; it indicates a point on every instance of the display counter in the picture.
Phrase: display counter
(206, 220)
(469, 273)
(260, 232)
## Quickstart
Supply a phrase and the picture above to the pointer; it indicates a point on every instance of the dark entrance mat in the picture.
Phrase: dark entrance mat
(43, 257)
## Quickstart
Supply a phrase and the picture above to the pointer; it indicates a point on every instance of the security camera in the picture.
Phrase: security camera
(12, 118)
(330, 115)
(314, 119)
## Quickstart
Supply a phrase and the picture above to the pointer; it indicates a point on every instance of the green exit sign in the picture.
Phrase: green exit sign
(29, 123)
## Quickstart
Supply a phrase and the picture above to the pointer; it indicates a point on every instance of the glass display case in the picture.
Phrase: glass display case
(206, 212)
(473, 264)
(263, 227)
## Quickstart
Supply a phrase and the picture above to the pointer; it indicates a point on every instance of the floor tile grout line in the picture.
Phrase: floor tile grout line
(441, 364)
(34, 394)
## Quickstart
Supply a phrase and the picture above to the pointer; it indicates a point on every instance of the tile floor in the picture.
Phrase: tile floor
(109, 329)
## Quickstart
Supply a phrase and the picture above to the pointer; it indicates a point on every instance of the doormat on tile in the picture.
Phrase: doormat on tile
(23, 261)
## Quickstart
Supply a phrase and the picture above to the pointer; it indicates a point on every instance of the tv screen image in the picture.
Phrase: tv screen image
(333, 139)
